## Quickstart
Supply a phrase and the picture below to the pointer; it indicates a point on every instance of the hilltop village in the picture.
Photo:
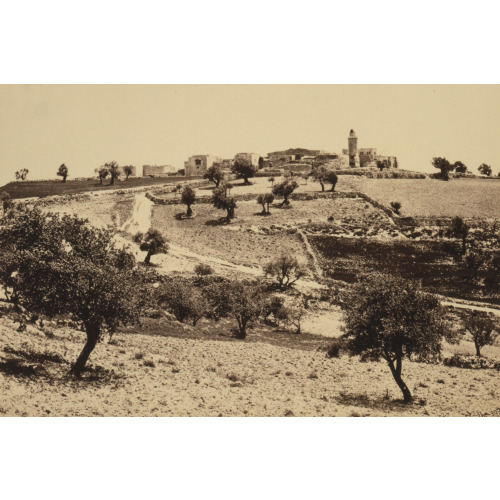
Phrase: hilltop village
(293, 160)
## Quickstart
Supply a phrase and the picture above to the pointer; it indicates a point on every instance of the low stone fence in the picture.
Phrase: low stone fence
(158, 200)
(64, 198)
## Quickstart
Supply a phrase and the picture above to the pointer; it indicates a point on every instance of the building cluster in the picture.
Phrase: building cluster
(295, 160)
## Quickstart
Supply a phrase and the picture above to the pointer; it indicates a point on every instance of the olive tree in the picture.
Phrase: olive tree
(485, 169)
(444, 166)
(221, 201)
(392, 318)
(265, 200)
(188, 197)
(244, 170)
(214, 174)
(285, 269)
(63, 172)
(152, 242)
(102, 173)
(66, 266)
(128, 170)
(284, 190)
(114, 171)
(22, 174)
(460, 167)
(244, 304)
(325, 176)
(183, 300)
(482, 327)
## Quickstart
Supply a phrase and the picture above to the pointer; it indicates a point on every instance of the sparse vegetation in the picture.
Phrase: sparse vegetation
(22, 174)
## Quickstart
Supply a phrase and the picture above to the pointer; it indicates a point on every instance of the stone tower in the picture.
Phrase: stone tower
(353, 148)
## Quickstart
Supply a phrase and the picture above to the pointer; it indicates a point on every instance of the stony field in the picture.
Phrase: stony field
(468, 198)
(144, 375)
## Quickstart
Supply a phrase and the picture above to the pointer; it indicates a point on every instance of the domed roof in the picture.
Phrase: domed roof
(352, 133)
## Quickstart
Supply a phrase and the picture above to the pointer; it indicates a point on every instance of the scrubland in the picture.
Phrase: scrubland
(165, 368)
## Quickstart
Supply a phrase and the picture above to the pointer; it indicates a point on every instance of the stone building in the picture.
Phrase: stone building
(253, 158)
(364, 157)
(157, 170)
(199, 164)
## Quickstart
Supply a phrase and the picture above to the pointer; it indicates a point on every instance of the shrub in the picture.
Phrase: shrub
(396, 206)
(203, 269)
(183, 300)
(335, 348)
(470, 362)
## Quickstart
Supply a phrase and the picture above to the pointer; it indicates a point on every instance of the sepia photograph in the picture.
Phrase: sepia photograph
(274, 217)
(250, 251)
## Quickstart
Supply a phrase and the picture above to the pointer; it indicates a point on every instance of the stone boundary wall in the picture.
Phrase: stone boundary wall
(157, 200)
(51, 200)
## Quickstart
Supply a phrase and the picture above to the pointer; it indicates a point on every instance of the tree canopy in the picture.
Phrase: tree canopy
(444, 166)
(63, 172)
(284, 190)
(188, 197)
(152, 242)
(485, 169)
(63, 265)
(214, 174)
(222, 201)
(392, 318)
(244, 169)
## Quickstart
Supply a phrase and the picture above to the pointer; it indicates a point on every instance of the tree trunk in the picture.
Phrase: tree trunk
(64, 178)
(92, 338)
(478, 349)
(396, 373)
(189, 212)
(322, 186)
(112, 182)
(147, 260)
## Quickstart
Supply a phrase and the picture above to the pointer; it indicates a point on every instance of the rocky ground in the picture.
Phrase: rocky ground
(145, 375)
(156, 373)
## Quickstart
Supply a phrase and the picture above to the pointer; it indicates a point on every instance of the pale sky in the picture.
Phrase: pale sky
(85, 126)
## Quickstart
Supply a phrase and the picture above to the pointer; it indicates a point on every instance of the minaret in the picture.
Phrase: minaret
(353, 148)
